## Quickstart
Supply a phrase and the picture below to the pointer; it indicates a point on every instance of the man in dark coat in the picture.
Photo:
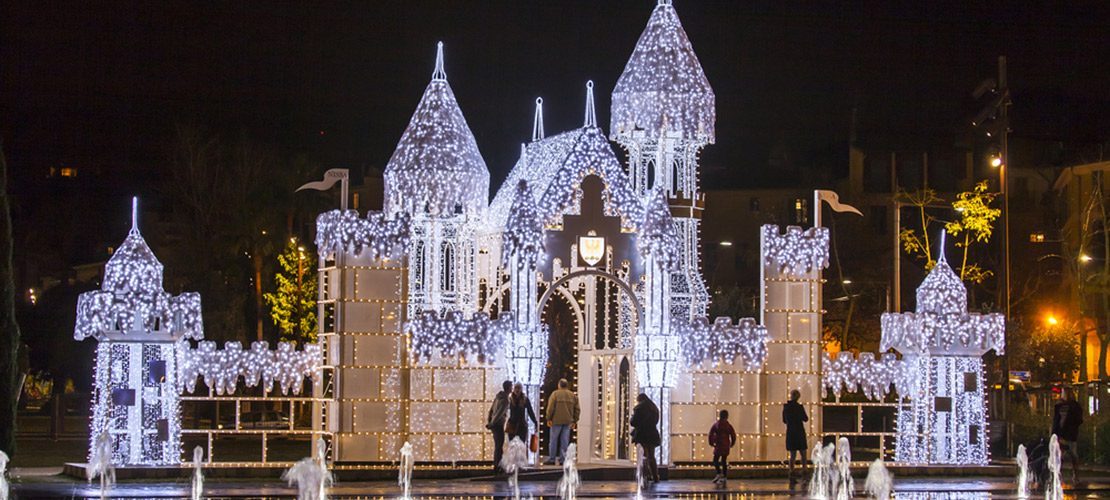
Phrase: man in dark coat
(1067, 415)
(794, 416)
(645, 432)
(495, 422)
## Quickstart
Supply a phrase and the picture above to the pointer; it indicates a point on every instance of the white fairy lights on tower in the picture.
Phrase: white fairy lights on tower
(942, 346)
(438, 177)
(663, 113)
(139, 327)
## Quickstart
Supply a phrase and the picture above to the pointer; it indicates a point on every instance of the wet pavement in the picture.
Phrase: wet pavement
(905, 489)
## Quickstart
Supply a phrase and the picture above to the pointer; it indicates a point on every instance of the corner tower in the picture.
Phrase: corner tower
(663, 113)
(438, 177)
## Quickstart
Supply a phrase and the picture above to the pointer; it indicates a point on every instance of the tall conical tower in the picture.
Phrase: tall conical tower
(437, 176)
(663, 113)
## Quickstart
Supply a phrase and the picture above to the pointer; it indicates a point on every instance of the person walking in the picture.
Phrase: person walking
(794, 416)
(519, 406)
(495, 422)
(562, 415)
(645, 432)
(722, 438)
(1067, 415)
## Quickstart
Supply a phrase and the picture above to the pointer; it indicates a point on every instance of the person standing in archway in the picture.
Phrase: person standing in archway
(645, 432)
(562, 415)
(495, 422)
(794, 416)
(519, 406)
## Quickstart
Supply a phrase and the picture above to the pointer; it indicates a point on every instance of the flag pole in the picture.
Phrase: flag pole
(816, 208)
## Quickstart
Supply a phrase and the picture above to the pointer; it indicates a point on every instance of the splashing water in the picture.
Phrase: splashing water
(516, 457)
(311, 475)
(100, 463)
(845, 484)
(1023, 472)
(880, 482)
(404, 472)
(198, 475)
(568, 485)
(819, 482)
(3, 480)
(1053, 490)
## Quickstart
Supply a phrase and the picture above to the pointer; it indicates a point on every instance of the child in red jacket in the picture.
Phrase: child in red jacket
(722, 438)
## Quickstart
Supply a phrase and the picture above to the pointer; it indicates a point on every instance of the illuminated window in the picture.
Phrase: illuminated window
(1036, 237)
(354, 201)
(68, 172)
(800, 211)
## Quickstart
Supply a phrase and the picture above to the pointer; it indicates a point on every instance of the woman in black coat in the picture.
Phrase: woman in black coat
(794, 416)
(519, 406)
(645, 432)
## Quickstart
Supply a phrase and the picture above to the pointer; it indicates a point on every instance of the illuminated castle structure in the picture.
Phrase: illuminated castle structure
(138, 327)
(940, 375)
(427, 306)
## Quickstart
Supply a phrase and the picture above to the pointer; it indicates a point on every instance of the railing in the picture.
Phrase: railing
(868, 425)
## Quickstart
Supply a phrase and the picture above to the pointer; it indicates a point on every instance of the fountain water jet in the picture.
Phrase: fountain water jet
(516, 457)
(845, 484)
(311, 475)
(880, 482)
(568, 485)
(404, 472)
(1023, 472)
(1053, 490)
(821, 458)
(100, 463)
(198, 475)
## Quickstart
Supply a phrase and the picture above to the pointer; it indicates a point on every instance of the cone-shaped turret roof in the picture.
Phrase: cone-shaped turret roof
(436, 167)
(663, 84)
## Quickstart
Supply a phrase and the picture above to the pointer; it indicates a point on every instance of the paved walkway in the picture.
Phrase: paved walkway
(908, 489)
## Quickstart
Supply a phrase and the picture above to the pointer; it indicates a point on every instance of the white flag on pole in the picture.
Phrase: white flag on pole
(833, 200)
(330, 178)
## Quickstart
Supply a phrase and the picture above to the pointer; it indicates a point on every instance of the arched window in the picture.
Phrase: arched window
(447, 268)
(417, 266)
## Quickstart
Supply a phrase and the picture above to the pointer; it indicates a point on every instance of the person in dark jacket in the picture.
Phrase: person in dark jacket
(495, 422)
(1067, 415)
(794, 416)
(645, 432)
(722, 437)
(519, 406)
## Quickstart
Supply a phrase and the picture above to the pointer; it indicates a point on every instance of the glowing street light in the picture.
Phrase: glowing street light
(1084, 257)
(1051, 320)
(726, 243)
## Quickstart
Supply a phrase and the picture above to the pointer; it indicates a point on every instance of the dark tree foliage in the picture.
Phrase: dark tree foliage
(9, 329)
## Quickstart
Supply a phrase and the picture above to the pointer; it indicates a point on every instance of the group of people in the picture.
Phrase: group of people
(511, 409)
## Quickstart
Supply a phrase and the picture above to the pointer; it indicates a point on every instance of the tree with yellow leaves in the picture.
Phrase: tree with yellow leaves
(973, 227)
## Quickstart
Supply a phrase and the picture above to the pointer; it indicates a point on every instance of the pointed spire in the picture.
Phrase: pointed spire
(943, 236)
(134, 213)
(537, 122)
(523, 151)
(663, 2)
(591, 115)
(439, 74)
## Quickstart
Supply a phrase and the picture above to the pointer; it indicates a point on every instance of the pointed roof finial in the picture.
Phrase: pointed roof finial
(523, 152)
(537, 123)
(663, 2)
(439, 74)
(943, 236)
(591, 116)
(134, 213)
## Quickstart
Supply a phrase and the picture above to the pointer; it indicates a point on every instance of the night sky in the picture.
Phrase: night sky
(101, 85)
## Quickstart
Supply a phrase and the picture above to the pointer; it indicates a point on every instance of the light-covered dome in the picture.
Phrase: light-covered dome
(436, 167)
(942, 292)
(663, 84)
(133, 268)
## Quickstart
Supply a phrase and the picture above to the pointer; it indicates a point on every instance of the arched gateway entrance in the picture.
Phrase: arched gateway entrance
(592, 323)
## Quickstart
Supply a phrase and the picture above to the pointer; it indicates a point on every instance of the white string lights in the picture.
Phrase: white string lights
(722, 341)
(523, 236)
(344, 231)
(138, 326)
(874, 377)
(663, 86)
(657, 237)
(221, 369)
(453, 335)
(436, 168)
(797, 252)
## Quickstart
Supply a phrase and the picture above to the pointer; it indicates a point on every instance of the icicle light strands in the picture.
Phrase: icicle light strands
(874, 377)
(722, 341)
(221, 369)
(658, 237)
(344, 231)
(436, 167)
(663, 85)
(453, 335)
(797, 252)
